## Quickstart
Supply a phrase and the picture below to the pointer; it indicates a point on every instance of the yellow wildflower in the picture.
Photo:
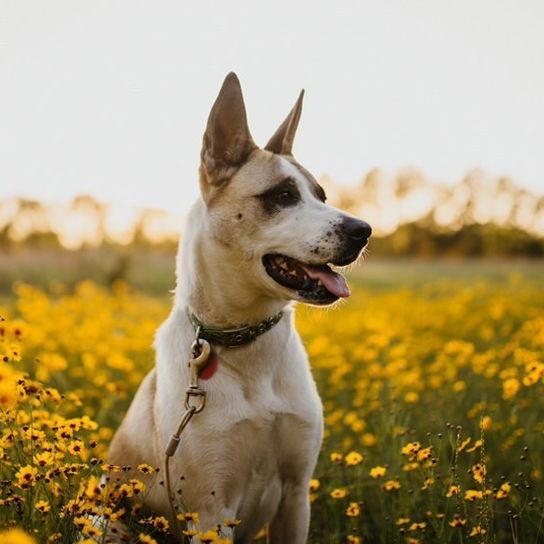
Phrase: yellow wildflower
(336, 457)
(339, 493)
(417, 526)
(353, 510)
(391, 485)
(503, 491)
(42, 506)
(26, 476)
(453, 490)
(473, 495)
(378, 472)
(353, 458)
(15, 536)
(457, 521)
(477, 531)
(146, 538)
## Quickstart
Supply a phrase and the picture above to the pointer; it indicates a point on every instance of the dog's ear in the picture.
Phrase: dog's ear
(227, 141)
(282, 141)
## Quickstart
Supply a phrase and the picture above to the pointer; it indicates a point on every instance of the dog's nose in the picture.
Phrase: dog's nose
(356, 229)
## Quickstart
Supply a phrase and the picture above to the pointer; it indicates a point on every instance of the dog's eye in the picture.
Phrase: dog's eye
(285, 197)
(285, 194)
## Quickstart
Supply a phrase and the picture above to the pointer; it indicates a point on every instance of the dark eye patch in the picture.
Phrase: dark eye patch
(283, 195)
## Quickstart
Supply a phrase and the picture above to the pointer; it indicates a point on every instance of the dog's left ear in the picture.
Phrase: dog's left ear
(282, 141)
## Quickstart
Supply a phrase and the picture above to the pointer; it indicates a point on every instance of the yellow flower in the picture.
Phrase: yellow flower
(91, 530)
(485, 423)
(402, 521)
(353, 458)
(510, 388)
(411, 448)
(417, 526)
(111, 468)
(160, 523)
(479, 472)
(336, 457)
(231, 522)
(208, 537)
(423, 454)
(369, 440)
(137, 486)
(146, 469)
(26, 476)
(77, 448)
(15, 536)
(353, 510)
(314, 484)
(391, 485)
(378, 472)
(354, 539)
(503, 491)
(453, 490)
(44, 459)
(339, 493)
(146, 538)
(476, 531)
(189, 516)
(427, 483)
(473, 495)
(42, 506)
(457, 521)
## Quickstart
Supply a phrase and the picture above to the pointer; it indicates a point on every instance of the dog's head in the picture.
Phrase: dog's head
(269, 211)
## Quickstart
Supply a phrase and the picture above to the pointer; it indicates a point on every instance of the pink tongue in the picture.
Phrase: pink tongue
(333, 282)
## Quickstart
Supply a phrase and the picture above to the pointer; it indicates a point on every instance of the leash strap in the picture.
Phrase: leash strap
(233, 338)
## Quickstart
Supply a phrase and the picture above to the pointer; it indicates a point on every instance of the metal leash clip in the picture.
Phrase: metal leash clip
(201, 351)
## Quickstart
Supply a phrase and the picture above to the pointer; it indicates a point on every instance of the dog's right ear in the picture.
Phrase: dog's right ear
(227, 141)
(282, 140)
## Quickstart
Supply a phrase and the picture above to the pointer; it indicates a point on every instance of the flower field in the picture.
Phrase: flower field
(433, 396)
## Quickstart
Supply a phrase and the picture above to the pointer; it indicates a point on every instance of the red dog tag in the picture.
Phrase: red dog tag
(211, 366)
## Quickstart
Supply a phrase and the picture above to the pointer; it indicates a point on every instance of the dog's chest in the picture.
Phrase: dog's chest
(253, 437)
(246, 461)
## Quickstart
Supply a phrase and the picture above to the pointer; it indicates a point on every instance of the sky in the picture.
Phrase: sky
(110, 97)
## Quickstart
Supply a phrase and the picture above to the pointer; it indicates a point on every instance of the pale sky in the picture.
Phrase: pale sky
(110, 97)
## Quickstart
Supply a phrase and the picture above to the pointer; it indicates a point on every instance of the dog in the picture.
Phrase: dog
(260, 237)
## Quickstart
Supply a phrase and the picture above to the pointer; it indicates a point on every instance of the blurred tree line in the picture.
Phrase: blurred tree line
(423, 239)
(410, 215)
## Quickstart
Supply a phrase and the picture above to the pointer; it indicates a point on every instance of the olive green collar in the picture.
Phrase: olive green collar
(232, 338)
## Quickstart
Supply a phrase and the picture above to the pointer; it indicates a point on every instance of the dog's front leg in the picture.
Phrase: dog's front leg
(292, 520)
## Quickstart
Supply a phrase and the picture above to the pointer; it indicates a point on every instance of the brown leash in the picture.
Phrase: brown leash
(195, 401)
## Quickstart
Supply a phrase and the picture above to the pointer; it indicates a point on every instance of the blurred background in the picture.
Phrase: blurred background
(424, 118)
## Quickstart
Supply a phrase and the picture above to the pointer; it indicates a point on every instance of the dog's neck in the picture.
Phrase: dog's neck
(219, 290)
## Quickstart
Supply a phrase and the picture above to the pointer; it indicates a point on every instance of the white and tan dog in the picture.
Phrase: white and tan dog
(260, 237)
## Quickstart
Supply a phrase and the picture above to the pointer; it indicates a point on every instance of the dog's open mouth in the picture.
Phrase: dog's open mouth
(314, 283)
